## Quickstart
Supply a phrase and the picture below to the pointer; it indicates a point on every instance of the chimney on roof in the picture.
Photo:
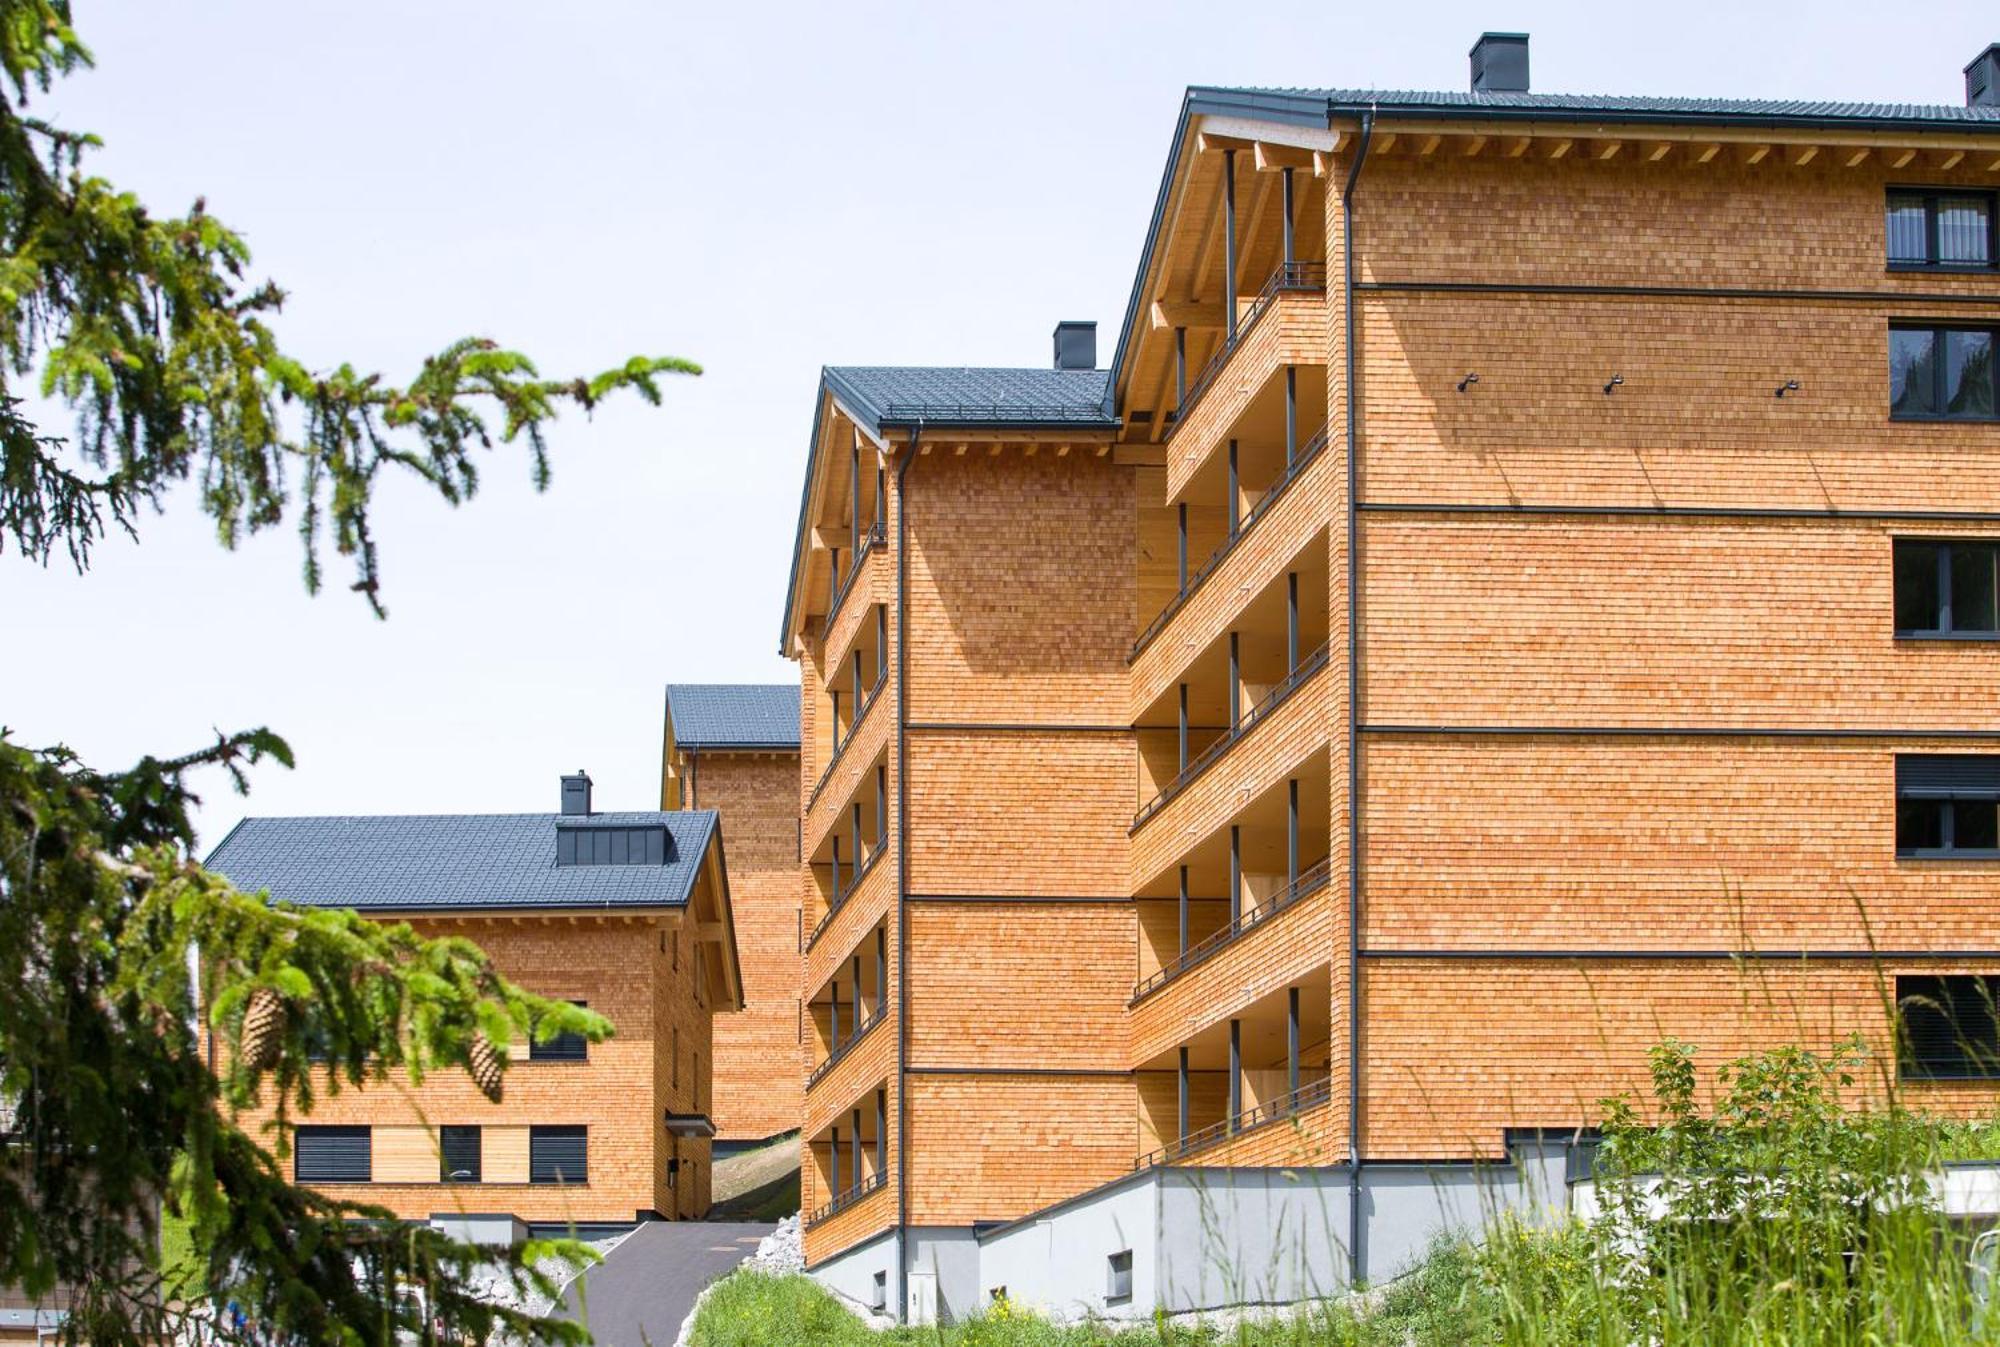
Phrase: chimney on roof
(1500, 63)
(576, 793)
(1076, 345)
(1982, 79)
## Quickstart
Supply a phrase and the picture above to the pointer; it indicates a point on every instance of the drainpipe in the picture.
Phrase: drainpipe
(1353, 720)
(903, 870)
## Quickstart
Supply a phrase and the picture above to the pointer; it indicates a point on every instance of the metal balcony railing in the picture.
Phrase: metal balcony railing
(870, 540)
(873, 695)
(846, 1046)
(1302, 460)
(1252, 718)
(1290, 278)
(1307, 1097)
(1310, 881)
(866, 869)
(842, 1201)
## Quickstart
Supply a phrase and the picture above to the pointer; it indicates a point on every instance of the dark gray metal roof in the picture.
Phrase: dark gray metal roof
(892, 395)
(405, 862)
(734, 715)
(1320, 105)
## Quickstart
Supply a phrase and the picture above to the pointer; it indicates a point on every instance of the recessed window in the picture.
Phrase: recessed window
(1948, 1028)
(1947, 589)
(559, 1155)
(880, 1301)
(332, 1155)
(458, 1155)
(1948, 806)
(564, 1047)
(1118, 1280)
(1944, 230)
(1941, 373)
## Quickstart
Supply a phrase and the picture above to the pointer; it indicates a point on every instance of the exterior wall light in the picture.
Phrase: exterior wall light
(1467, 381)
(1616, 379)
(1788, 386)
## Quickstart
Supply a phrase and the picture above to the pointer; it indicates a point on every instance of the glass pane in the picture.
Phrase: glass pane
(1969, 373)
(1911, 373)
(1965, 230)
(1919, 825)
(1972, 589)
(1977, 824)
(1917, 607)
(1906, 229)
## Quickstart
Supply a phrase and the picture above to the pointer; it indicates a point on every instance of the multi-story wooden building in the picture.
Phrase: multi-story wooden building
(1524, 588)
(627, 913)
(734, 748)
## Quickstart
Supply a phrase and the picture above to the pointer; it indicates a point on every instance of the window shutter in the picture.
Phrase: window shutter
(332, 1155)
(558, 1155)
(1936, 776)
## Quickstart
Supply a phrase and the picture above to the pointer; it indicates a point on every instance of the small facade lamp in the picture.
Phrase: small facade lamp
(1467, 382)
(1616, 380)
(1788, 386)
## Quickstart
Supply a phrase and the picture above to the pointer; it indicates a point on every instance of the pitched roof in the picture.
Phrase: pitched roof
(889, 395)
(734, 715)
(471, 861)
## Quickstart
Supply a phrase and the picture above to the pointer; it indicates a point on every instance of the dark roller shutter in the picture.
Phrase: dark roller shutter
(1937, 776)
(459, 1148)
(563, 1047)
(558, 1155)
(332, 1155)
(1948, 1027)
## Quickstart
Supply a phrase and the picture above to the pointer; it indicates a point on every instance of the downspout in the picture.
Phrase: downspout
(1353, 720)
(903, 872)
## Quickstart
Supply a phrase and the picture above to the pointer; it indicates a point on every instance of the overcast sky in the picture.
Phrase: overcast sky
(763, 189)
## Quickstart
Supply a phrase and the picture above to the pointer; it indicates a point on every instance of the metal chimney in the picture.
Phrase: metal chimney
(1076, 345)
(1982, 79)
(576, 793)
(1500, 63)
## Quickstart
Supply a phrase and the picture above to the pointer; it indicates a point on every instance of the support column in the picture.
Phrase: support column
(1180, 572)
(881, 497)
(1235, 872)
(1235, 688)
(1292, 1042)
(1234, 495)
(881, 1131)
(1292, 834)
(881, 969)
(835, 842)
(833, 1146)
(1235, 1071)
(1291, 225)
(857, 1148)
(854, 502)
(1184, 914)
(881, 806)
(1182, 1116)
(857, 682)
(860, 1016)
(1291, 414)
(832, 575)
(1184, 730)
(833, 1018)
(1291, 622)
(1180, 367)
(881, 640)
(834, 693)
(857, 839)
(1229, 238)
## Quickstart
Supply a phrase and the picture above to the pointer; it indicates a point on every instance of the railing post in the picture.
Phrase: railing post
(1184, 731)
(1181, 570)
(1235, 874)
(1235, 1071)
(1291, 623)
(1292, 1047)
(1182, 1115)
(1235, 689)
(1290, 227)
(1180, 368)
(1184, 911)
(1229, 238)
(1292, 837)
(1291, 414)
(1233, 504)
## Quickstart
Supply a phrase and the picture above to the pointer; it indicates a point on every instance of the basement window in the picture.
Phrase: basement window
(879, 1301)
(1947, 590)
(1949, 1030)
(1942, 231)
(1948, 806)
(1941, 373)
(1118, 1277)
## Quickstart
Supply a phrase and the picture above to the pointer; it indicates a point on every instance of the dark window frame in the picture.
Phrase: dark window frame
(538, 1173)
(1930, 262)
(1946, 800)
(1937, 331)
(1949, 631)
(563, 1047)
(453, 1136)
(316, 1131)
(1917, 1004)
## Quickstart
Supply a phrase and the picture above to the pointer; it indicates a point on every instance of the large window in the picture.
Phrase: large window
(1949, 1030)
(1948, 806)
(332, 1155)
(1944, 230)
(458, 1151)
(1941, 373)
(558, 1155)
(561, 1048)
(1947, 589)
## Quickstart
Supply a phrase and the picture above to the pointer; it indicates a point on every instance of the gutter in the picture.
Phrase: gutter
(1353, 716)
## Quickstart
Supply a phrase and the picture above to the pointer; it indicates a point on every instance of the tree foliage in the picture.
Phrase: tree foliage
(124, 1077)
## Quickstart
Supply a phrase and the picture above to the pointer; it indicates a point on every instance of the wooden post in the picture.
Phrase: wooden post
(1290, 226)
(1183, 1114)
(1229, 238)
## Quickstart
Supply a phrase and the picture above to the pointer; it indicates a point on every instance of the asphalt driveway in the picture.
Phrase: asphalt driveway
(646, 1286)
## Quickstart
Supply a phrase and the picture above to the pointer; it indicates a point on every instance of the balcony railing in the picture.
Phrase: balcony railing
(873, 695)
(843, 1048)
(1310, 881)
(1289, 278)
(842, 1201)
(870, 540)
(866, 868)
(1302, 460)
(1302, 1100)
(1252, 718)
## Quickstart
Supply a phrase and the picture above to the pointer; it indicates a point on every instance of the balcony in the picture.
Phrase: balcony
(870, 542)
(841, 1201)
(1312, 1095)
(1312, 881)
(843, 742)
(854, 776)
(860, 1032)
(842, 893)
(1290, 278)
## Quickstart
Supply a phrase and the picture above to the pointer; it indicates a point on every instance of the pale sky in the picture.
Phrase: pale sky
(761, 188)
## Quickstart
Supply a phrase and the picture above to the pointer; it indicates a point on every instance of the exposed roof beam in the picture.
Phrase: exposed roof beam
(1798, 156)
(1699, 154)
(1271, 158)
(1171, 313)
(1943, 160)
(1857, 156)
(1752, 153)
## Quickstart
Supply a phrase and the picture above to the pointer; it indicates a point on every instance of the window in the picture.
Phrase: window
(879, 1302)
(1948, 806)
(332, 1155)
(1941, 373)
(458, 1155)
(1946, 230)
(562, 1048)
(1947, 589)
(1949, 1032)
(558, 1155)
(1118, 1278)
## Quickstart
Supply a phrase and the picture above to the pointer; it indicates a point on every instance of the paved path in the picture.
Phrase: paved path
(647, 1285)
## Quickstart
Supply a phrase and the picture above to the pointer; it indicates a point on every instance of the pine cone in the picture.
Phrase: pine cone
(482, 1059)
(263, 1030)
